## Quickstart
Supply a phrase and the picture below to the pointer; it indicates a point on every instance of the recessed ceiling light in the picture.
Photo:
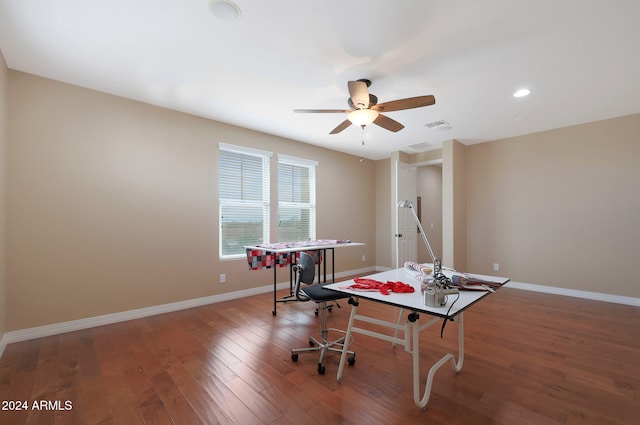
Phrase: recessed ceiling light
(225, 10)
(522, 93)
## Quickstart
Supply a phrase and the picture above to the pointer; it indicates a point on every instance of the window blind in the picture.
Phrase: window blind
(296, 199)
(243, 192)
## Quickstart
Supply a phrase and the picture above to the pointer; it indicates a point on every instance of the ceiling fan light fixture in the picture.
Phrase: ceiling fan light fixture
(362, 117)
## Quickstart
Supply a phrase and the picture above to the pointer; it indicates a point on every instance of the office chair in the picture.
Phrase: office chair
(305, 274)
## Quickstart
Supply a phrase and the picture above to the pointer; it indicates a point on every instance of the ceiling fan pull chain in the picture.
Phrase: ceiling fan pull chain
(362, 157)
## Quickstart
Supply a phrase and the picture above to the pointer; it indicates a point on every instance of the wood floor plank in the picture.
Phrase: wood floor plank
(254, 400)
(221, 396)
(153, 411)
(199, 399)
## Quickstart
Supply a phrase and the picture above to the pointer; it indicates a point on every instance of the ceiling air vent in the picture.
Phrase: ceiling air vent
(420, 146)
(440, 125)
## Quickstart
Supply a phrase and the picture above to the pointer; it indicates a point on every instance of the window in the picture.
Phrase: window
(296, 199)
(243, 191)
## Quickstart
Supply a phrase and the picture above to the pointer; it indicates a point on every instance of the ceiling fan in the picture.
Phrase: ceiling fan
(366, 110)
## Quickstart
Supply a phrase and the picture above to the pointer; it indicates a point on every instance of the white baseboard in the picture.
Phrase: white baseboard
(576, 293)
(356, 272)
(107, 319)
(382, 269)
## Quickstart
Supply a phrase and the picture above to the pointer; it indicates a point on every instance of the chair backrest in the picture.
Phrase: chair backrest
(305, 273)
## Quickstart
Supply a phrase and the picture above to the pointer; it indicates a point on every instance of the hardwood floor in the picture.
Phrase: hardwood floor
(530, 358)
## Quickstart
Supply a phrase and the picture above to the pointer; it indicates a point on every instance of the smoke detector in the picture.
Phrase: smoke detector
(225, 10)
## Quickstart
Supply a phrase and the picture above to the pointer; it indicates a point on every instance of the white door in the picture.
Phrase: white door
(406, 227)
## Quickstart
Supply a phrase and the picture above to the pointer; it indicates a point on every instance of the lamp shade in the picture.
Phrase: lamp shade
(362, 117)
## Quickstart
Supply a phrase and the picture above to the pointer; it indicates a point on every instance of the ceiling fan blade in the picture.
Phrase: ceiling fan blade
(388, 123)
(320, 111)
(359, 94)
(342, 126)
(408, 103)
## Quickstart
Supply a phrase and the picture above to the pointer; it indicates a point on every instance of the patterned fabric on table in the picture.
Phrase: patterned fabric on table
(259, 259)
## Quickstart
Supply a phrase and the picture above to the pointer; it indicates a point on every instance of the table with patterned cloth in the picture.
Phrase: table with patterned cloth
(282, 254)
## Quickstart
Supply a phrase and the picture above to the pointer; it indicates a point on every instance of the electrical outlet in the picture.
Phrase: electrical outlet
(364, 258)
(496, 267)
(223, 278)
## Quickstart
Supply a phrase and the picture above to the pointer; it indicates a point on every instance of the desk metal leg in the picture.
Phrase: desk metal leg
(353, 329)
(457, 366)
(275, 311)
(322, 265)
(319, 259)
(333, 265)
(395, 334)
(347, 337)
(411, 340)
(287, 298)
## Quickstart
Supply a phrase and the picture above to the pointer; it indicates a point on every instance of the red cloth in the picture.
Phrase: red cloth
(363, 284)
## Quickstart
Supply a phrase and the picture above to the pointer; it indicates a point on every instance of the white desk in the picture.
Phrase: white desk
(295, 247)
(412, 326)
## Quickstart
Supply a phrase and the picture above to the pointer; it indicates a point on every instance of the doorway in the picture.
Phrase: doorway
(421, 184)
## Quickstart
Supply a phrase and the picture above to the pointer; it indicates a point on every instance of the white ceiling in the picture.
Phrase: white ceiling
(579, 58)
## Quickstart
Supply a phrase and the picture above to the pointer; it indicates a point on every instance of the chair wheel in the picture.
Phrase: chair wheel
(294, 357)
(321, 369)
(311, 344)
(330, 309)
(352, 360)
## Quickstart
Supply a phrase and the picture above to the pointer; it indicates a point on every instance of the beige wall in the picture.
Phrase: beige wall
(3, 185)
(559, 208)
(384, 231)
(425, 157)
(454, 205)
(112, 204)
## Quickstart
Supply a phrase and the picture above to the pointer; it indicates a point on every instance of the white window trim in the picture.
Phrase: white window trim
(292, 160)
(243, 149)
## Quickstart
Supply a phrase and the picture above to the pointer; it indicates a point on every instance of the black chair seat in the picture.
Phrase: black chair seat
(318, 294)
